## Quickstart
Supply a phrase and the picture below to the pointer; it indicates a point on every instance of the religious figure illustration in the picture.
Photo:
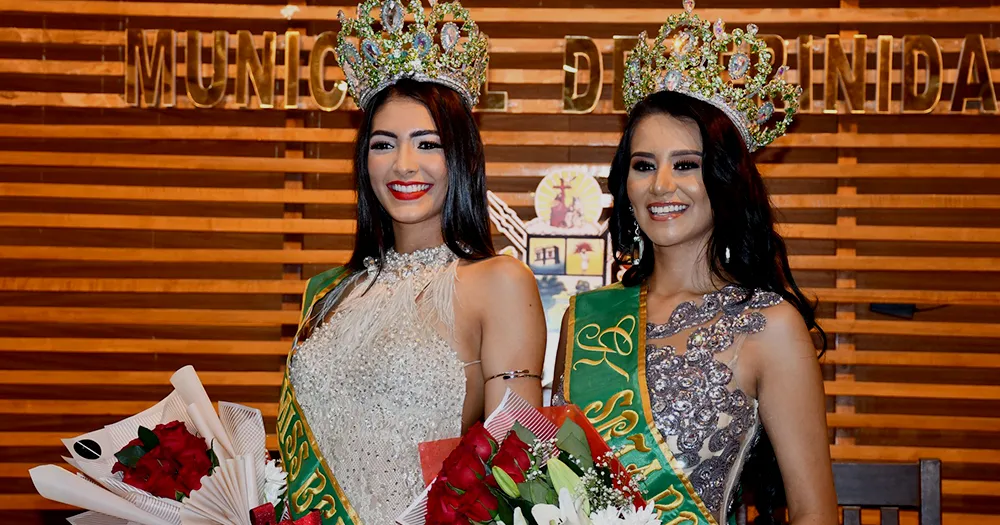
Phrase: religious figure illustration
(565, 245)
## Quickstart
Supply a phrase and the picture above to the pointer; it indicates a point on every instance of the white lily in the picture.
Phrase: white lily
(641, 516)
(569, 512)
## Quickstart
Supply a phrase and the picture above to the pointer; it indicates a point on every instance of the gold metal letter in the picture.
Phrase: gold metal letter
(622, 45)
(327, 100)
(975, 80)
(805, 72)
(883, 82)
(913, 47)
(201, 96)
(260, 72)
(578, 47)
(151, 73)
(852, 76)
(292, 64)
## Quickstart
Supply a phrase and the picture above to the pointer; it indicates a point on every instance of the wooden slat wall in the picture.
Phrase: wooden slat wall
(134, 241)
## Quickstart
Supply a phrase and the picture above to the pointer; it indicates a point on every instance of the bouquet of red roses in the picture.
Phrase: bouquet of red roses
(526, 466)
(167, 461)
(177, 463)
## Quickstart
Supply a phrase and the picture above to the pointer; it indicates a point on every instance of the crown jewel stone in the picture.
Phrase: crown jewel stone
(371, 50)
(688, 5)
(422, 43)
(764, 113)
(449, 36)
(392, 16)
(738, 66)
(672, 80)
(719, 27)
(752, 29)
(348, 54)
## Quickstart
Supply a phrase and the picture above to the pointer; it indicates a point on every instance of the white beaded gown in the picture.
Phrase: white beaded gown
(380, 376)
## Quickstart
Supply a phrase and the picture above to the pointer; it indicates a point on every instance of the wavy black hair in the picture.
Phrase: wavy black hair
(743, 222)
(465, 223)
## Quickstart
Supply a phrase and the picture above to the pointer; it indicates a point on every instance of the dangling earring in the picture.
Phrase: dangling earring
(640, 246)
(727, 255)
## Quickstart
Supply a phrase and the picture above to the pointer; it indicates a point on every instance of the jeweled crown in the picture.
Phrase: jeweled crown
(404, 49)
(692, 64)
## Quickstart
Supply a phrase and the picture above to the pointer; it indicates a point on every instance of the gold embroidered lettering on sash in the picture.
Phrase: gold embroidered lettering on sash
(666, 506)
(684, 518)
(285, 410)
(646, 471)
(637, 443)
(619, 425)
(329, 507)
(621, 343)
(302, 499)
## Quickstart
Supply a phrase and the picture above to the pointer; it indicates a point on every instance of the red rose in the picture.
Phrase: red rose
(154, 475)
(442, 504)
(479, 504)
(174, 437)
(513, 458)
(464, 469)
(480, 441)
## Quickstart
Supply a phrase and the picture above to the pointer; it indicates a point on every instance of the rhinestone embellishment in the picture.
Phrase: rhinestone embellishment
(392, 16)
(738, 66)
(422, 43)
(371, 50)
(764, 113)
(449, 36)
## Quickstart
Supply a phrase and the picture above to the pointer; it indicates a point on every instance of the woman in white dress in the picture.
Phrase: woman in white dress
(422, 332)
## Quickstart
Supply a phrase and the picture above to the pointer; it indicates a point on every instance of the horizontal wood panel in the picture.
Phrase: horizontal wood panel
(294, 287)
(346, 197)
(134, 239)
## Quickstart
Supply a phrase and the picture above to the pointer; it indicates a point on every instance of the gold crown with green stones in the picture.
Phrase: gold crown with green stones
(402, 49)
(692, 64)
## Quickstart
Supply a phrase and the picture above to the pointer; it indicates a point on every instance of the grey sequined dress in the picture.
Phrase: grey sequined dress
(380, 377)
(707, 420)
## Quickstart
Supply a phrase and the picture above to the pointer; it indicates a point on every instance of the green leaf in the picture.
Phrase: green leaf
(535, 491)
(573, 440)
(524, 434)
(505, 512)
(130, 456)
(148, 438)
(213, 458)
(178, 495)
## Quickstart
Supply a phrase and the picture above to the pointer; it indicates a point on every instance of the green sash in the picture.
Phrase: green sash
(606, 377)
(311, 484)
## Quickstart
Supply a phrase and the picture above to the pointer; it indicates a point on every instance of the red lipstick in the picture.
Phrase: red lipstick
(408, 191)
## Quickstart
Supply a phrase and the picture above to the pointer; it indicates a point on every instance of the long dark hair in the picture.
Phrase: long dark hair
(743, 222)
(465, 222)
